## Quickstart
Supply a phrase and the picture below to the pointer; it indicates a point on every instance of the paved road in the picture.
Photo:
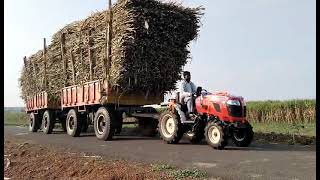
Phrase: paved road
(259, 161)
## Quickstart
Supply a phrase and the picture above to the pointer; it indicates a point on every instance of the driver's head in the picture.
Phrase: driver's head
(187, 76)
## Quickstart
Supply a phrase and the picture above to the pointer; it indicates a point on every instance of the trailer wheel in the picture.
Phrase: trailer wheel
(47, 122)
(170, 128)
(104, 124)
(33, 122)
(215, 135)
(73, 123)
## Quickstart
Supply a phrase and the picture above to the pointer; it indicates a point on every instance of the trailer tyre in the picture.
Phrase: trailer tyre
(170, 127)
(104, 124)
(73, 123)
(48, 121)
(33, 122)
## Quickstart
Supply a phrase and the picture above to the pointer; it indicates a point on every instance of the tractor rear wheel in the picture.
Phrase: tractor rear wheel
(48, 121)
(170, 127)
(73, 123)
(242, 137)
(215, 135)
(104, 124)
(33, 122)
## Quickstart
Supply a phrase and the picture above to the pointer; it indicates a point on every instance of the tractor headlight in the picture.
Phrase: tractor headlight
(233, 102)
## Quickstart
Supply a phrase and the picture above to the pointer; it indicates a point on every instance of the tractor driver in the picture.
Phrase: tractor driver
(187, 88)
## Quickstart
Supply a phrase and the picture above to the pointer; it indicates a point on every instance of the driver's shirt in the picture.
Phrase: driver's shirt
(186, 88)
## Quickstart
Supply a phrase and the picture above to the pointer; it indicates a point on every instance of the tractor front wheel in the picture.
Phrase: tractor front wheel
(215, 136)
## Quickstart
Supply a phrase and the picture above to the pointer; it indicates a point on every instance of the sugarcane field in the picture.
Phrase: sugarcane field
(159, 89)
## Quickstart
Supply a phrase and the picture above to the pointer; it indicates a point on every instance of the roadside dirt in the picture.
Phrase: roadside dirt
(23, 160)
(265, 138)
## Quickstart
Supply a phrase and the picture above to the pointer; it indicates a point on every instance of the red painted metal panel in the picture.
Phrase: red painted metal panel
(40, 101)
(81, 95)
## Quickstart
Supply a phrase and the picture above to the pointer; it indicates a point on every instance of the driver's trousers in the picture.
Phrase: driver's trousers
(189, 102)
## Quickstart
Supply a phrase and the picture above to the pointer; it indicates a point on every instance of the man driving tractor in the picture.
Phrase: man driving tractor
(200, 114)
(187, 88)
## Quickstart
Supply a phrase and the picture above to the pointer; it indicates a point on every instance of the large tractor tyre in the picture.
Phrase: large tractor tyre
(170, 127)
(195, 137)
(242, 137)
(215, 136)
(73, 123)
(104, 124)
(33, 122)
(48, 120)
(148, 127)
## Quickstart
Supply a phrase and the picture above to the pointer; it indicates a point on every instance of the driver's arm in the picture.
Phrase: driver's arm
(194, 87)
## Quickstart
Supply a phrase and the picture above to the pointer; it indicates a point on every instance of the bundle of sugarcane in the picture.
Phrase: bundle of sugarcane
(149, 47)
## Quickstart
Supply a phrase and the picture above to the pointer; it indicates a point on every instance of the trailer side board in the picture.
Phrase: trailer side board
(91, 93)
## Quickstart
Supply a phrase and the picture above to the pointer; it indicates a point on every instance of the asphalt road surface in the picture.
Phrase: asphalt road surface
(259, 161)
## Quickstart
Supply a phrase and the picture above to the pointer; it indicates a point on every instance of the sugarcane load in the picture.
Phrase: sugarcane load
(109, 66)
(148, 43)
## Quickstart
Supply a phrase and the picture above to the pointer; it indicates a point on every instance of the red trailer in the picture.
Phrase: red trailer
(91, 103)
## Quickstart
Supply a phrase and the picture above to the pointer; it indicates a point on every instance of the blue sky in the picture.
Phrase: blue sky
(260, 50)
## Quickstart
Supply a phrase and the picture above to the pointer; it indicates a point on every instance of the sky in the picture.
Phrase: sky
(261, 50)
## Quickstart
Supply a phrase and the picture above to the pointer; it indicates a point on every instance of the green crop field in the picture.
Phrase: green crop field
(15, 118)
(289, 111)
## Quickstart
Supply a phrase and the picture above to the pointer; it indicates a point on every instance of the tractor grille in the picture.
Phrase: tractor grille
(235, 111)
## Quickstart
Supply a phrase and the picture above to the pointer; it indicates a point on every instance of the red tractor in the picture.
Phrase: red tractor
(218, 117)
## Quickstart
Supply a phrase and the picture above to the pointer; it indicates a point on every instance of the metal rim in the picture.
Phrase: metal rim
(240, 135)
(45, 122)
(31, 122)
(101, 124)
(214, 134)
(168, 126)
(71, 123)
